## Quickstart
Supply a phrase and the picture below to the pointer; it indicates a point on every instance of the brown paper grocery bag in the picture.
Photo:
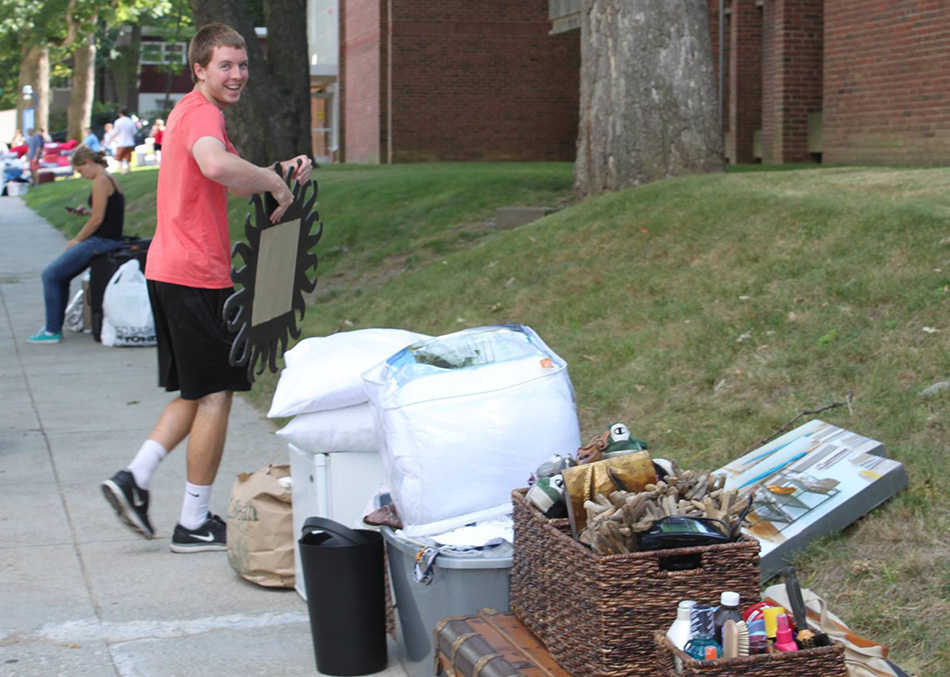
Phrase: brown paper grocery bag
(261, 528)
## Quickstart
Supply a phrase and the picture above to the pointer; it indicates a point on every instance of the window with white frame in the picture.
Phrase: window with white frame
(159, 53)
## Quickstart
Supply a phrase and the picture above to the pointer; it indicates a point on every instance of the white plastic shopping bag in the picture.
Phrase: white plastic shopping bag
(73, 320)
(126, 312)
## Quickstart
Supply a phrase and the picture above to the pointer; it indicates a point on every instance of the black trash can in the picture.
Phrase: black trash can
(346, 596)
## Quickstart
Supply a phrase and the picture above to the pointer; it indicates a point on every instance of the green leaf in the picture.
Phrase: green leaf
(828, 337)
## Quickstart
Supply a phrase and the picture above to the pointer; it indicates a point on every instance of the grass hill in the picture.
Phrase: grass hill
(704, 312)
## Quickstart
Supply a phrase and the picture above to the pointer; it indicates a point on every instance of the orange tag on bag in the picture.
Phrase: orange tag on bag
(547, 363)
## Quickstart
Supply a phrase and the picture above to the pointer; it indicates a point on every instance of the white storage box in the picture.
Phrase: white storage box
(336, 485)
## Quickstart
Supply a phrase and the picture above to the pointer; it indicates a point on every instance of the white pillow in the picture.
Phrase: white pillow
(347, 429)
(324, 372)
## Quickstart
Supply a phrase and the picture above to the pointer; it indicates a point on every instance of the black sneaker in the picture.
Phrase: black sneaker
(212, 535)
(130, 502)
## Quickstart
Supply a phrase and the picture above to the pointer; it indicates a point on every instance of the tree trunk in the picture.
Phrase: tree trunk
(648, 105)
(131, 96)
(287, 28)
(79, 113)
(271, 122)
(34, 72)
(166, 102)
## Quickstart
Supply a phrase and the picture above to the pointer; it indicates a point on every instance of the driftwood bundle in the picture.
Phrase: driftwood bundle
(614, 521)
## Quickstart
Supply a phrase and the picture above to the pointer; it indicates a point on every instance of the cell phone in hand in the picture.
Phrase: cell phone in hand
(78, 211)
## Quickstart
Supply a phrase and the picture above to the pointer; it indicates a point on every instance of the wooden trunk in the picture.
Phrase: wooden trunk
(490, 644)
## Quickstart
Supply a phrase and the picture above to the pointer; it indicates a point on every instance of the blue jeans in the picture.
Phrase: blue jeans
(66, 266)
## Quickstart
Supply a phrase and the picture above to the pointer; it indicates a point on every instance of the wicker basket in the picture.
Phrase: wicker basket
(827, 661)
(597, 614)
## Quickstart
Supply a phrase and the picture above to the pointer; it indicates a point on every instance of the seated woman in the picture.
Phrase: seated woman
(101, 233)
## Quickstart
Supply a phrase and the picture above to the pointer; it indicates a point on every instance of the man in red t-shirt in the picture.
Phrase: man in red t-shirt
(189, 278)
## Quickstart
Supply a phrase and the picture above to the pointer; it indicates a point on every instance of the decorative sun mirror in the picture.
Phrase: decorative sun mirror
(273, 278)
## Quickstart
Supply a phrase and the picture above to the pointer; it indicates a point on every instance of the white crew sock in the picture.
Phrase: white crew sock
(194, 509)
(143, 466)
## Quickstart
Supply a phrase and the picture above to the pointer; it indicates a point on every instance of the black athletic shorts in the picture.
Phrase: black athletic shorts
(193, 341)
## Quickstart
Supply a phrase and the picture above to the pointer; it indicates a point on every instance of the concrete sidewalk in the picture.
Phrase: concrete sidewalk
(81, 594)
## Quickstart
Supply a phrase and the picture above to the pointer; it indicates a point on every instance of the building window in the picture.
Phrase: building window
(158, 53)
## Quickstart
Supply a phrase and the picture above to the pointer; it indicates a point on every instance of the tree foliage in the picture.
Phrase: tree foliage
(80, 33)
(71, 31)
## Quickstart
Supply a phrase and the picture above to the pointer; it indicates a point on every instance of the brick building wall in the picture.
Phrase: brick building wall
(797, 77)
(769, 59)
(727, 43)
(467, 81)
(153, 80)
(887, 81)
(745, 67)
(857, 81)
(363, 107)
(773, 77)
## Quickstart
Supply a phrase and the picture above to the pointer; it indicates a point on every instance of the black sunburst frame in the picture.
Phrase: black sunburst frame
(264, 310)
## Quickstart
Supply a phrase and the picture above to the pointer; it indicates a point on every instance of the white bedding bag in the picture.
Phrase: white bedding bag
(465, 418)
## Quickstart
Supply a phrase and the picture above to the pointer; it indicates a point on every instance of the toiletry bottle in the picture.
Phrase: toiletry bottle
(728, 611)
(783, 635)
(679, 633)
(771, 624)
(702, 627)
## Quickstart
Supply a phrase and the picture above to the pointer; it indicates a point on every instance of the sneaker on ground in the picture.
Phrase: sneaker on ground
(212, 535)
(43, 336)
(130, 502)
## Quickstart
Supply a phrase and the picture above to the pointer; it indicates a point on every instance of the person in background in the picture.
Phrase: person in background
(108, 139)
(188, 272)
(101, 233)
(46, 137)
(17, 140)
(90, 140)
(125, 130)
(157, 134)
(34, 153)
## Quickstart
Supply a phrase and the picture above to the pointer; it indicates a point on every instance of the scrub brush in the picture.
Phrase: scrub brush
(730, 639)
(735, 639)
(742, 634)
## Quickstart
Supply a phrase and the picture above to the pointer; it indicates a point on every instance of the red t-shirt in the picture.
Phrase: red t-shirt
(191, 246)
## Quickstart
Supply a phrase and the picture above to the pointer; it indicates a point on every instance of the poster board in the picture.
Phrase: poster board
(812, 481)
